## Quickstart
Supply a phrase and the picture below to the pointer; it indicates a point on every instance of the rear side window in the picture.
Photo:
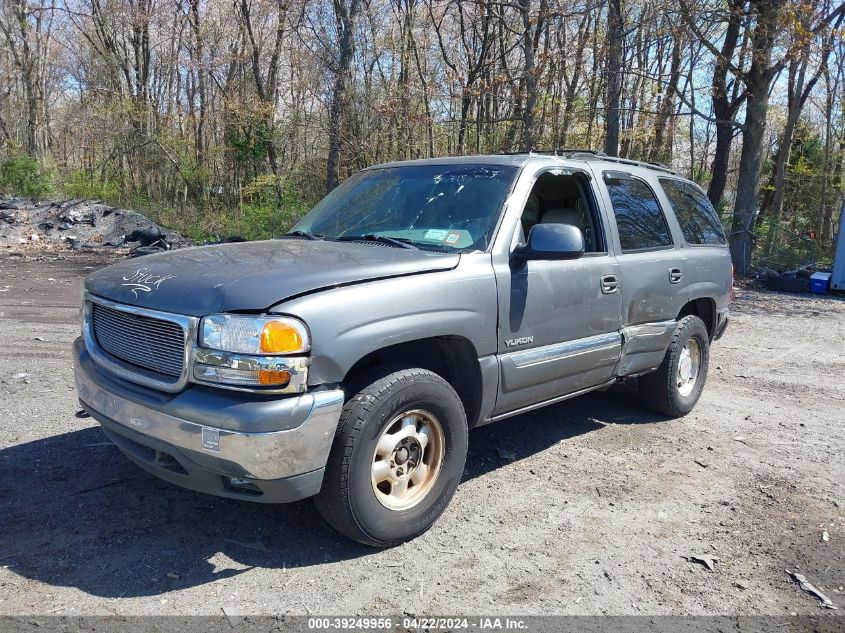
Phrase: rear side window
(639, 217)
(698, 219)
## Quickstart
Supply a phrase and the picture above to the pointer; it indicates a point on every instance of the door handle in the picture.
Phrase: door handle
(675, 275)
(609, 285)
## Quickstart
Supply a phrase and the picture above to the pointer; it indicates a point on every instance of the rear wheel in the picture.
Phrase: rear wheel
(397, 457)
(675, 387)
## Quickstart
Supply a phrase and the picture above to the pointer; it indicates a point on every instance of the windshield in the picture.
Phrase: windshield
(438, 207)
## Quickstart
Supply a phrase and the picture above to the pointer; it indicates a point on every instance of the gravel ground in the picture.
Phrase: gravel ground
(592, 506)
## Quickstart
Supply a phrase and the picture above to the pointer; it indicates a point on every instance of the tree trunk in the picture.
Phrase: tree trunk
(779, 179)
(466, 101)
(530, 40)
(614, 77)
(724, 108)
(574, 80)
(758, 81)
(346, 15)
(198, 43)
(664, 128)
(25, 60)
(750, 166)
(721, 157)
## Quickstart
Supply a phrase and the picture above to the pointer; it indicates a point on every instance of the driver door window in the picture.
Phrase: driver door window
(565, 199)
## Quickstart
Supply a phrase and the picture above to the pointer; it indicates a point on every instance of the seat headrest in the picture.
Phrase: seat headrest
(563, 216)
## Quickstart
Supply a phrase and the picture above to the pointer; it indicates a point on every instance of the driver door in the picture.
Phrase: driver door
(559, 320)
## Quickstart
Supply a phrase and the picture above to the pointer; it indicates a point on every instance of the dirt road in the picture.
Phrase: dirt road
(587, 507)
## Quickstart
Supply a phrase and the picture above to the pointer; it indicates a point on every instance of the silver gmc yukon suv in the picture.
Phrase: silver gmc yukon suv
(347, 359)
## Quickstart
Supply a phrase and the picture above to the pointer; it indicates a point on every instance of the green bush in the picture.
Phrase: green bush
(83, 184)
(23, 176)
(272, 206)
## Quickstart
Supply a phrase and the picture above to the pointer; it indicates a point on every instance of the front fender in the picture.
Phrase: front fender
(349, 322)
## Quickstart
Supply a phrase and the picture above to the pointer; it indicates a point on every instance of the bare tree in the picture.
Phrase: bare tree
(28, 35)
(613, 69)
(474, 40)
(727, 97)
(346, 13)
(533, 26)
(266, 82)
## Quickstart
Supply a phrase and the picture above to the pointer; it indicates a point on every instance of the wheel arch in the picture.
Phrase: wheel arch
(705, 309)
(453, 358)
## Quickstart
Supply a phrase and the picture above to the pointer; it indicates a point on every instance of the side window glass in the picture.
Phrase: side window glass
(699, 221)
(564, 199)
(639, 218)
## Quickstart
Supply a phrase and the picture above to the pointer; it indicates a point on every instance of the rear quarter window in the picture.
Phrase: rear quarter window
(699, 221)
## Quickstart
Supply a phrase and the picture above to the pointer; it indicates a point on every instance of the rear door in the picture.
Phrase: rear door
(706, 259)
(651, 266)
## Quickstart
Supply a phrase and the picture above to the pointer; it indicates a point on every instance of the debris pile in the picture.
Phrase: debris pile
(797, 280)
(83, 224)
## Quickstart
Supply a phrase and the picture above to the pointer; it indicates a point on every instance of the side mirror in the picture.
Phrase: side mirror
(552, 241)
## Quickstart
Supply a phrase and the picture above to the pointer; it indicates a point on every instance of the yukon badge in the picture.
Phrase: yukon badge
(522, 340)
(142, 280)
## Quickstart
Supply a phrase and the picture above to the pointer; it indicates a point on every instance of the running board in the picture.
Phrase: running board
(546, 403)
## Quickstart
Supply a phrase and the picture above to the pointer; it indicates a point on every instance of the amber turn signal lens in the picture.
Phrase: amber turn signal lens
(280, 338)
(267, 377)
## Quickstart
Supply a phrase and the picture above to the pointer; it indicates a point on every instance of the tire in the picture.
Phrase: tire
(668, 390)
(394, 398)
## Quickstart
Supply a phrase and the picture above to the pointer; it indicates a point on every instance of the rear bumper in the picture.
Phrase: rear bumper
(165, 434)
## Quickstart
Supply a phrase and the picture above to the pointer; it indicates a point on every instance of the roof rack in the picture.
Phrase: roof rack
(639, 163)
(592, 153)
(574, 150)
(556, 152)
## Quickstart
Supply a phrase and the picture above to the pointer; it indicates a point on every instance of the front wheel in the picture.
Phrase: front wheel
(397, 457)
(675, 387)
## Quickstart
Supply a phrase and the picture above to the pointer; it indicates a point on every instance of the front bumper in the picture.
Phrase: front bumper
(224, 443)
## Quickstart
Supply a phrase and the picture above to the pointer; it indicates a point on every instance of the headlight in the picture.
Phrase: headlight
(239, 351)
(241, 334)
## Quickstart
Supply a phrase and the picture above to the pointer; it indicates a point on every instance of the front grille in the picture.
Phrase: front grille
(155, 345)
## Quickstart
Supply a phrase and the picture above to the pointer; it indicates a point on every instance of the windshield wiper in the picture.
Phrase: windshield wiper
(305, 234)
(371, 237)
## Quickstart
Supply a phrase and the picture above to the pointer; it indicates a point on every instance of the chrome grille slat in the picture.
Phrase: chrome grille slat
(130, 342)
(128, 327)
(108, 314)
(141, 359)
(154, 345)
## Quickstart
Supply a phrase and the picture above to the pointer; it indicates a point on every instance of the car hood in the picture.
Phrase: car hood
(253, 276)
